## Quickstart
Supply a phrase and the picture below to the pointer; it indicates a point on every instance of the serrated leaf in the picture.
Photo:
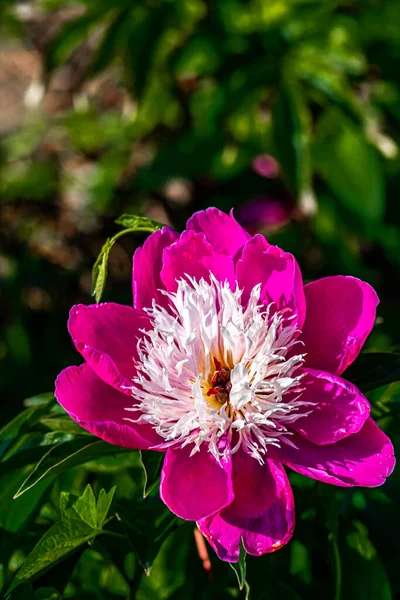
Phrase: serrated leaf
(65, 456)
(103, 505)
(86, 508)
(240, 569)
(78, 526)
(138, 222)
(373, 370)
(152, 464)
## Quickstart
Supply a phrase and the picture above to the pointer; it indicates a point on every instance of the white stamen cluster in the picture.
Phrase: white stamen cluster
(177, 360)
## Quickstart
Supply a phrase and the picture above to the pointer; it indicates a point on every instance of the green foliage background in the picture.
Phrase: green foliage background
(159, 108)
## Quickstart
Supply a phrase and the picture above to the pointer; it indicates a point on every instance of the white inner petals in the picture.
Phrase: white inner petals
(177, 361)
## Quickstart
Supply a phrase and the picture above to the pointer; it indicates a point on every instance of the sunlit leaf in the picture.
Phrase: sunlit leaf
(80, 523)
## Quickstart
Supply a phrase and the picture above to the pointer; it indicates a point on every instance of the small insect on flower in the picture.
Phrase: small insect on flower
(232, 367)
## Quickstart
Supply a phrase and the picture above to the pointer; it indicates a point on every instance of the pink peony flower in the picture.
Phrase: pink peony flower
(232, 367)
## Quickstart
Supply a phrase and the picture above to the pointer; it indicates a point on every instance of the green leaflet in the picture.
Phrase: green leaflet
(131, 224)
(79, 523)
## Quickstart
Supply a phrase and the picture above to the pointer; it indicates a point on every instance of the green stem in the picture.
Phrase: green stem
(338, 566)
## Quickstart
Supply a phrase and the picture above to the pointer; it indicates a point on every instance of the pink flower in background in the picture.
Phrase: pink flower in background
(232, 367)
(263, 213)
(266, 166)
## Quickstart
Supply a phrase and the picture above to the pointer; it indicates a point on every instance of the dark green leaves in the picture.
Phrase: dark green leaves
(80, 523)
(131, 224)
(151, 463)
(147, 525)
(350, 166)
(364, 577)
(66, 456)
(373, 370)
(291, 126)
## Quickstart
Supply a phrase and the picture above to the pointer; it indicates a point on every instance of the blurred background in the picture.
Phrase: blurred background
(286, 110)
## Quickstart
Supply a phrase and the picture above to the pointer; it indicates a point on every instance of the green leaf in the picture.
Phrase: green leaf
(373, 370)
(64, 425)
(151, 463)
(147, 524)
(103, 505)
(240, 570)
(22, 423)
(350, 166)
(71, 35)
(291, 127)
(79, 524)
(86, 508)
(114, 37)
(100, 268)
(131, 223)
(364, 577)
(65, 456)
(138, 222)
(15, 513)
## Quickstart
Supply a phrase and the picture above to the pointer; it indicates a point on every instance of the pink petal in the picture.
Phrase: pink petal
(340, 315)
(277, 272)
(262, 513)
(222, 231)
(101, 409)
(195, 486)
(192, 255)
(106, 335)
(339, 408)
(147, 265)
(365, 458)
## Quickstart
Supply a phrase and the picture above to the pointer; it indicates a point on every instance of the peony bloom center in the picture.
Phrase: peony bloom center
(212, 371)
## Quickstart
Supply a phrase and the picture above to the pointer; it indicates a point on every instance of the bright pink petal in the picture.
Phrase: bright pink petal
(277, 272)
(339, 408)
(106, 335)
(195, 486)
(192, 255)
(147, 265)
(101, 409)
(340, 315)
(222, 231)
(262, 513)
(365, 458)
